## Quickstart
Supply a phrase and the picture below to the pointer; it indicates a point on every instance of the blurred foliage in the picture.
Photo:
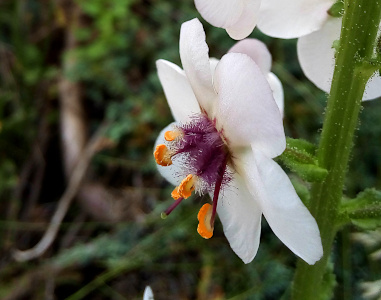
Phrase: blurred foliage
(119, 42)
(364, 211)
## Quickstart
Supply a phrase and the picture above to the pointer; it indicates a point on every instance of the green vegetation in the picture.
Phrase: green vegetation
(101, 55)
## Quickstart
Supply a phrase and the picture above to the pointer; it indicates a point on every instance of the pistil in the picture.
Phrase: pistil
(217, 190)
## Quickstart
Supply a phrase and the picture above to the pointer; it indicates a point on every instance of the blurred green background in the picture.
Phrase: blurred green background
(72, 67)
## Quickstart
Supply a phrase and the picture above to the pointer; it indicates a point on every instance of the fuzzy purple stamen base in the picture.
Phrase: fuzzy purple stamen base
(205, 152)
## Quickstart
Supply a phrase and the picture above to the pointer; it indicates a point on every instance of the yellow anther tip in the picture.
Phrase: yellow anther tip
(175, 194)
(162, 155)
(170, 135)
(204, 227)
(186, 186)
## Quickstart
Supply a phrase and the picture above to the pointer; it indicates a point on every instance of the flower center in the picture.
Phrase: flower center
(199, 150)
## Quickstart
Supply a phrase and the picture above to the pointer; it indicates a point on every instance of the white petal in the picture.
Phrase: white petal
(284, 211)
(173, 173)
(277, 88)
(238, 17)
(246, 110)
(148, 294)
(220, 13)
(292, 19)
(257, 52)
(262, 57)
(241, 219)
(213, 64)
(179, 94)
(195, 59)
(316, 55)
(317, 59)
(246, 22)
(373, 87)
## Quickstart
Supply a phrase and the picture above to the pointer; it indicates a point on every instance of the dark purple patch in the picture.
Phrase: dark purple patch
(205, 152)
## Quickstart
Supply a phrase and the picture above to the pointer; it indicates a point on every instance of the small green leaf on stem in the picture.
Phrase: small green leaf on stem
(299, 157)
(301, 145)
(364, 211)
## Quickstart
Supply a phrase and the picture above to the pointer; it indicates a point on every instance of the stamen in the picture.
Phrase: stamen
(175, 193)
(204, 156)
(171, 208)
(217, 189)
(186, 186)
(171, 135)
(162, 155)
(205, 228)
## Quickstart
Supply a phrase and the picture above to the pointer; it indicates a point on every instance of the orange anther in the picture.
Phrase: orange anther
(162, 155)
(186, 186)
(170, 135)
(204, 227)
(175, 193)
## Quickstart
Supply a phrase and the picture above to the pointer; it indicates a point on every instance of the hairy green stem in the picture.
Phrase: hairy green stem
(358, 34)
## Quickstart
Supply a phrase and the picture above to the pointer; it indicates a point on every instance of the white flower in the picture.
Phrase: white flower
(227, 130)
(238, 17)
(259, 53)
(310, 21)
(148, 294)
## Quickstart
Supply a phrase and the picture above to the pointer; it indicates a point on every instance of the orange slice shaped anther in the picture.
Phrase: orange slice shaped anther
(175, 193)
(204, 227)
(186, 186)
(162, 155)
(171, 135)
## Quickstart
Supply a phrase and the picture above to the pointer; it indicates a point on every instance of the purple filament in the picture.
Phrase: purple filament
(173, 206)
(217, 190)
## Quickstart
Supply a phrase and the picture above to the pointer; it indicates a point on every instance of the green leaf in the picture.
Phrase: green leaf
(364, 211)
(301, 145)
(299, 157)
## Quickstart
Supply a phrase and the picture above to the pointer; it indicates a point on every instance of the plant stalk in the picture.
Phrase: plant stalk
(361, 20)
